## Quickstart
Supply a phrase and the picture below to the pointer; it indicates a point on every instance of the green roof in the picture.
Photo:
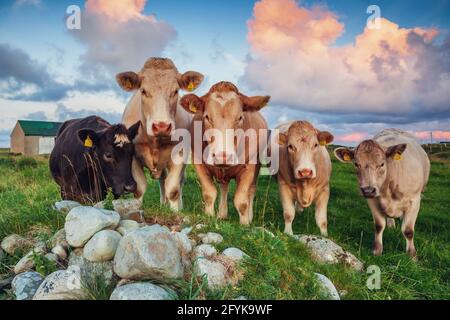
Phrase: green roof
(39, 128)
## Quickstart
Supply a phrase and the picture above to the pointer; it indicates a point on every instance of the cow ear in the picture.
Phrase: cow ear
(396, 151)
(344, 155)
(254, 103)
(192, 103)
(133, 130)
(282, 139)
(88, 137)
(190, 80)
(129, 81)
(324, 138)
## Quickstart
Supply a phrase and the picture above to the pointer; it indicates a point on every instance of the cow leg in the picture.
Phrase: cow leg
(223, 205)
(209, 191)
(287, 201)
(162, 187)
(380, 224)
(241, 197)
(252, 193)
(251, 198)
(321, 211)
(390, 223)
(137, 171)
(408, 223)
(173, 186)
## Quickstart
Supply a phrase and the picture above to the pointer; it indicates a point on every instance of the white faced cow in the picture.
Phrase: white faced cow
(155, 104)
(392, 170)
(305, 169)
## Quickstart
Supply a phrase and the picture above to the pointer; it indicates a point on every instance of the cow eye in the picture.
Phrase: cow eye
(316, 145)
(206, 117)
(241, 118)
(291, 147)
(174, 93)
(381, 165)
(357, 165)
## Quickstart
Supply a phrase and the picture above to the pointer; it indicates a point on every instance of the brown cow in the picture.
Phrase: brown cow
(155, 104)
(392, 170)
(228, 156)
(304, 173)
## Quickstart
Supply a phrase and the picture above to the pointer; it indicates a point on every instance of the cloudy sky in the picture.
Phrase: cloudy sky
(317, 59)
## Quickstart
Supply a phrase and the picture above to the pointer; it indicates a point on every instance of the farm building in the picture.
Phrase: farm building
(33, 137)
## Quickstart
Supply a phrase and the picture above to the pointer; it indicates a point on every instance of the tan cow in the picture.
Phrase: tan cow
(392, 170)
(155, 104)
(304, 173)
(226, 110)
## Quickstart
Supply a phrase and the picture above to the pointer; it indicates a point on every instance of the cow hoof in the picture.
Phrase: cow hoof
(377, 250)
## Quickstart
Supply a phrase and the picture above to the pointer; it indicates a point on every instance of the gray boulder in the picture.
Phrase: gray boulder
(214, 272)
(148, 253)
(235, 254)
(324, 250)
(13, 242)
(141, 291)
(61, 285)
(60, 251)
(83, 222)
(25, 285)
(204, 250)
(327, 287)
(66, 205)
(211, 238)
(27, 261)
(59, 238)
(102, 246)
(126, 226)
(91, 270)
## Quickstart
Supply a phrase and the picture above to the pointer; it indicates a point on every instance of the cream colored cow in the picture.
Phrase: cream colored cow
(392, 170)
(155, 104)
(304, 173)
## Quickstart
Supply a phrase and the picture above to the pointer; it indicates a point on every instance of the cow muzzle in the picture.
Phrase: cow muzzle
(369, 192)
(162, 128)
(130, 187)
(305, 173)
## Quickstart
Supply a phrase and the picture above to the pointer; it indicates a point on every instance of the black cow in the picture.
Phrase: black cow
(90, 156)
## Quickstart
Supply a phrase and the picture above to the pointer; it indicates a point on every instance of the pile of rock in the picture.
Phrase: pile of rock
(96, 242)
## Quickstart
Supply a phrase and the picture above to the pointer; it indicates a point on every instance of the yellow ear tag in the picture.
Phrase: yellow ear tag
(191, 86)
(398, 156)
(193, 108)
(88, 142)
(347, 157)
(322, 143)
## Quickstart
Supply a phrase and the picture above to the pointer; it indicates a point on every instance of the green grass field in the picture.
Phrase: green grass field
(280, 267)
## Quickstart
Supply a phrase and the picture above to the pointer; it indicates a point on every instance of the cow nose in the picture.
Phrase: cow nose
(161, 128)
(305, 173)
(223, 158)
(130, 187)
(368, 192)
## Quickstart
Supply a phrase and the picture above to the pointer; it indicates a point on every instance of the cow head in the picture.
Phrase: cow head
(370, 160)
(223, 109)
(303, 143)
(158, 85)
(114, 150)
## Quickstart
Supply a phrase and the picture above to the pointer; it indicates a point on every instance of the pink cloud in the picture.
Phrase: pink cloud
(295, 60)
(354, 137)
(437, 135)
(119, 36)
(119, 10)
